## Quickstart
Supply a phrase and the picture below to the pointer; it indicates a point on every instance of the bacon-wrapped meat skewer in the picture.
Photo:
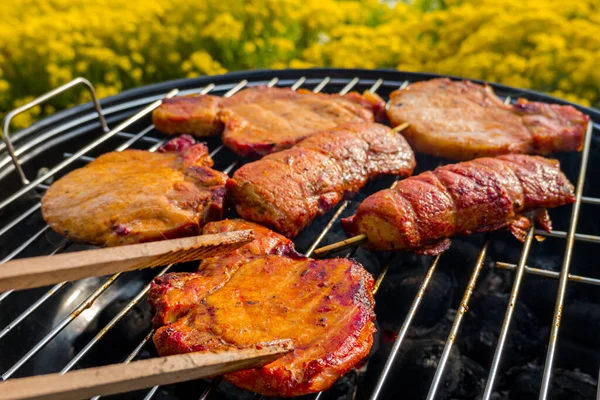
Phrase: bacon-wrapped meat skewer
(420, 213)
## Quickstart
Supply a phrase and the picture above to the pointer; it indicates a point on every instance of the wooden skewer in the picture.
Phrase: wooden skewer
(358, 239)
(341, 245)
(118, 378)
(41, 271)
(401, 127)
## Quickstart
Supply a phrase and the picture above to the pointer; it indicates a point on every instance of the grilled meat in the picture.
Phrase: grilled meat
(173, 295)
(137, 196)
(287, 190)
(420, 213)
(324, 306)
(262, 120)
(194, 115)
(463, 120)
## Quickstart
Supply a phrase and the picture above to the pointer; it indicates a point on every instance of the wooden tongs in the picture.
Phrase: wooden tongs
(33, 272)
(111, 379)
(118, 378)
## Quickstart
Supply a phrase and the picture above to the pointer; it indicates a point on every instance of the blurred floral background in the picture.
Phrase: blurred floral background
(552, 45)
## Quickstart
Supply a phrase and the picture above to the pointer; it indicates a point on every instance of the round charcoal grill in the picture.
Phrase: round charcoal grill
(491, 317)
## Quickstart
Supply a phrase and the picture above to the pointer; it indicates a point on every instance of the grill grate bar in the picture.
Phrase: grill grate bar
(564, 272)
(135, 138)
(236, 88)
(512, 301)
(20, 218)
(142, 113)
(151, 393)
(598, 391)
(376, 85)
(349, 86)
(24, 245)
(549, 274)
(462, 309)
(590, 200)
(562, 235)
(213, 384)
(85, 159)
(320, 86)
(147, 139)
(404, 328)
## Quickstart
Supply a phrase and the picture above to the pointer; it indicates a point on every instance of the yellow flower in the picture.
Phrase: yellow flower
(552, 46)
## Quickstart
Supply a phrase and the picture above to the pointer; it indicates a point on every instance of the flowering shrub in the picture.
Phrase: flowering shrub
(552, 46)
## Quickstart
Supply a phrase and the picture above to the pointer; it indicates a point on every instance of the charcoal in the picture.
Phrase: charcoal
(397, 293)
(482, 325)
(413, 370)
(537, 292)
(473, 380)
(581, 323)
(461, 257)
(566, 384)
(572, 355)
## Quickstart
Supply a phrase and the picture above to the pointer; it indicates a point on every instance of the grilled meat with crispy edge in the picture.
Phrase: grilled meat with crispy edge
(262, 120)
(287, 190)
(324, 306)
(461, 120)
(173, 295)
(420, 213)
(137, 196)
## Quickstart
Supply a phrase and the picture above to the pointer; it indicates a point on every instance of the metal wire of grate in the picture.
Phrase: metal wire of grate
(143, 136)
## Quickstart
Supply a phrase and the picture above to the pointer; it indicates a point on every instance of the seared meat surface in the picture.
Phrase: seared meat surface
(464, 120)
(173, 295)
(324, 306)
(420, 213)
(137, 196)
(262, 120)
(288, 189)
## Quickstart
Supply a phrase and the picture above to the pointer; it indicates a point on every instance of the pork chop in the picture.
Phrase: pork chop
(324, 306)
(137, 196)
(173, 295)
(461, 120)
(287, 190)
(262, 120)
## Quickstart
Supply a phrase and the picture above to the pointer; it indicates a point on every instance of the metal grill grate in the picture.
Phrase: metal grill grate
(28, 147)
